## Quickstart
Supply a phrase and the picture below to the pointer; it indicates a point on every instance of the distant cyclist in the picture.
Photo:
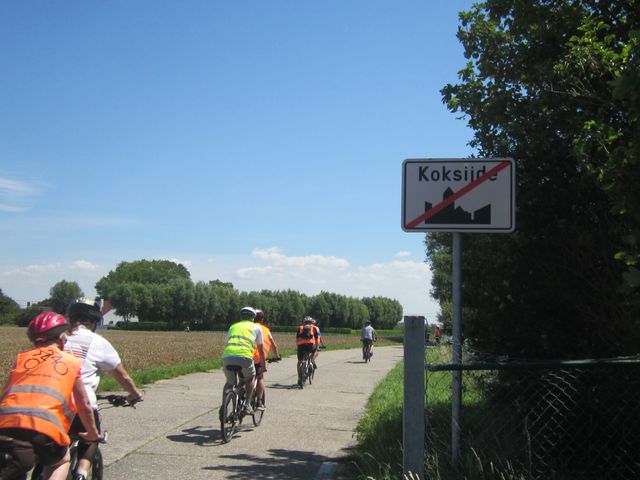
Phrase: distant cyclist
(43, 392)
(437, 334)
(368, 336)
(306, 341)
(242, 339)
(98, 356)
(269, 345)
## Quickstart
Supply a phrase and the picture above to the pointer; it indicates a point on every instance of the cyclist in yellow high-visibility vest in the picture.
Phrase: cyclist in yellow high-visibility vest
(242, 339)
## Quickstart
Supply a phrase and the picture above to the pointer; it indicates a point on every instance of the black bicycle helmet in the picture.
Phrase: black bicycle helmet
(84, 310)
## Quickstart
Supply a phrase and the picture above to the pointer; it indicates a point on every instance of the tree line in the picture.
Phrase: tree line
(162, 291)
(556, 86)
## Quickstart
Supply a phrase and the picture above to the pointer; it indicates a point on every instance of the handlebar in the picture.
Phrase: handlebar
(117, 400)
(273, 360)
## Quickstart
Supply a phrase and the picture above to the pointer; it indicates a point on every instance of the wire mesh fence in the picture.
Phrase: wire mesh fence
(534, 421)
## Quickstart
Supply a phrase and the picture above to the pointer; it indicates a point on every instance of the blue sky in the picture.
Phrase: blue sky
(259, 143)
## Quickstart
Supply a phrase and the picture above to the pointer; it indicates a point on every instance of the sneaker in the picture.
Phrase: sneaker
(248, 410)
(260, 406)
(80, 476)
(300, 383)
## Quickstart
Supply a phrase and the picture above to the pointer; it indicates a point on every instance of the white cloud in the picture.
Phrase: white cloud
(84, 265)
(403, 253)
(185, 263)
(11, 208)
(276, 256)
(33, 270)
(15, 186)
(12, 193)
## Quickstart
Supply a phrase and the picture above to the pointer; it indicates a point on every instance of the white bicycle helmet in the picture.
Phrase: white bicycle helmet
(248, 313)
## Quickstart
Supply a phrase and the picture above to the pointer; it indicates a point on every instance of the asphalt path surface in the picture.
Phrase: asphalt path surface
(175, 432)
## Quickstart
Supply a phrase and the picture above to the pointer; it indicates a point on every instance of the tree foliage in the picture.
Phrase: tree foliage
(162, 291)
(9, 308)
(62, 294)
(554, 85)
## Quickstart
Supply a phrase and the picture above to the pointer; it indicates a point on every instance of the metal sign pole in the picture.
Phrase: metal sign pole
(456, 388)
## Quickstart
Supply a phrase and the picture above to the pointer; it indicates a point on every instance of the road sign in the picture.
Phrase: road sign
(459, 195)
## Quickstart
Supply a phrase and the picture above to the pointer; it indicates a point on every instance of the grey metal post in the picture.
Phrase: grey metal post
(413, 411)
(456, 384)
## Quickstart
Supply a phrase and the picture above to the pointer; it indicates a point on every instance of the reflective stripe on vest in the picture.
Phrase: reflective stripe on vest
(32, 412)
(241, 341)
(68, 413)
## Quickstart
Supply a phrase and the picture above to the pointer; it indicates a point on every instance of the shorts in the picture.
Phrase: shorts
(28, 448)
(248, 368)
(85, 450)
(304, 348)
(366, 342)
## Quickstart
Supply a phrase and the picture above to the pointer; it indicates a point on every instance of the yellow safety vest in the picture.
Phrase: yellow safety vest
(240, 342)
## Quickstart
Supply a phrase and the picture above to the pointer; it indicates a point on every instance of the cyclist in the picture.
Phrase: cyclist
(269, 344)
(98, 356)
(306, 341)
(437, 334)
(43, 392)
(368, 336)
(242, 339)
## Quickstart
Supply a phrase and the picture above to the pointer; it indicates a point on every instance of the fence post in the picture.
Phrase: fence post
(413, 409)
(456, 380)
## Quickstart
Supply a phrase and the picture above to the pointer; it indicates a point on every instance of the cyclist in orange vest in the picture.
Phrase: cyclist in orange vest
(42, 395)
(306, 340)
(269, 344)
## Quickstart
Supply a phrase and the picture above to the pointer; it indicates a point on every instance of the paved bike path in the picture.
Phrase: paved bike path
(175, 432)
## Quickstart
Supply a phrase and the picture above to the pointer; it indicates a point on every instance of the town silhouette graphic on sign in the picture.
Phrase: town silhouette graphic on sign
(457, 215)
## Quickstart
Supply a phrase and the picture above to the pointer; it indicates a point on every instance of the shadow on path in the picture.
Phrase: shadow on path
(279, 465)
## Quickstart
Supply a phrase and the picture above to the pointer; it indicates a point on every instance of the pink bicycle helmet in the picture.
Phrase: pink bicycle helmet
(46, 326)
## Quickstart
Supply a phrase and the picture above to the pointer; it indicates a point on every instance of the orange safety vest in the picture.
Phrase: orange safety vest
(306, 334)
(266, 343)
(39, 394)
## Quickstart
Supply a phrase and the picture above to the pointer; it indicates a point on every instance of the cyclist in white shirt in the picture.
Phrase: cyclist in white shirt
(368, 336)
(99, 356)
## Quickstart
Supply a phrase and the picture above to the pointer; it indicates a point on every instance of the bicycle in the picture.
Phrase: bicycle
(97, 464)
(232, 411)
(233, 405)
(366, 354)
(306, 370)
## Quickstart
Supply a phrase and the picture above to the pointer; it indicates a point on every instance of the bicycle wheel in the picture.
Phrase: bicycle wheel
(97, 466)
(228, 418)
(36, 473)
(309, 368)
(302, 377)
(258, 414)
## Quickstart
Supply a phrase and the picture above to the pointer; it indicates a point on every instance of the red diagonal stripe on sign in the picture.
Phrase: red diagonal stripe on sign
(452, 198)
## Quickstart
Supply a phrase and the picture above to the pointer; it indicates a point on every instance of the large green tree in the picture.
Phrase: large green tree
(152, 290)
(551, 84)
(62, 294)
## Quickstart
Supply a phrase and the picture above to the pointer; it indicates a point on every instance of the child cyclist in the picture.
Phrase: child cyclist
(43, 392)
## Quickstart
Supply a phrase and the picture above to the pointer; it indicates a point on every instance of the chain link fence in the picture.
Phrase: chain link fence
(538, 421)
